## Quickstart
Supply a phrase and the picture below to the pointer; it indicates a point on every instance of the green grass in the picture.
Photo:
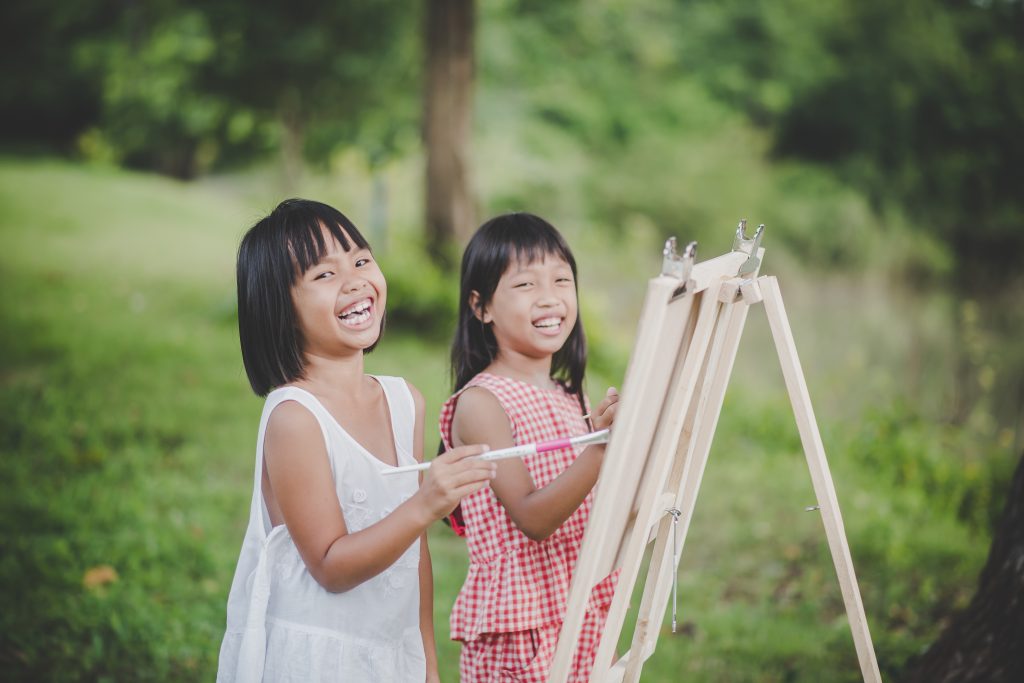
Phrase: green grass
(127, 432)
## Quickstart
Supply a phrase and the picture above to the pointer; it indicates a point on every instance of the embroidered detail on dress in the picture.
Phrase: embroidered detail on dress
(403, 572)
(357, 517)
(359, 495)
(290, 564)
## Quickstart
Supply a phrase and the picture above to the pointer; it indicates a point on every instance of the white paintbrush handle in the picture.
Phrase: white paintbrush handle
(519, 451)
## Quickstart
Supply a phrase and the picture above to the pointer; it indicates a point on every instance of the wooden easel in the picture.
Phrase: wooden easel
(690, 328)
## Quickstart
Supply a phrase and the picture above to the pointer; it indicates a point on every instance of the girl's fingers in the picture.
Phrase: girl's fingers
(611, 397)
(455, 476)
(468, 489)
(607, 417)
(465, 465)
(463, 452)
(475, 474)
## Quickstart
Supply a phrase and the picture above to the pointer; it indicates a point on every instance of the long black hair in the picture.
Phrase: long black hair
(273, 255)
(496, 245)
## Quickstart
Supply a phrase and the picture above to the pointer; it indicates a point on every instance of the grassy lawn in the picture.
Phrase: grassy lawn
(126, 445)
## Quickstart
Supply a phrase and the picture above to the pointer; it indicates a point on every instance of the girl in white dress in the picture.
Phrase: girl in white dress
(333, 581)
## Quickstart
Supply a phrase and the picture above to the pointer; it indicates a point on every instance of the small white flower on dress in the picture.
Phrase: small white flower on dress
(402, 573)
(359, 495)
(357, 517)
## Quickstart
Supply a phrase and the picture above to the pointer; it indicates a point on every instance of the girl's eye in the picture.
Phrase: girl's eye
(521, 285)
(362, 262)
(564, 279)
(322, 275)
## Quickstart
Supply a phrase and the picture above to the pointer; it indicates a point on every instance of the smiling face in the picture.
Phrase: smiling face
(340, 301)
(533, 308)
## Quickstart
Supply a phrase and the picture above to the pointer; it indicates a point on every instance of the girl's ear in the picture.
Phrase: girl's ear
(479, 311)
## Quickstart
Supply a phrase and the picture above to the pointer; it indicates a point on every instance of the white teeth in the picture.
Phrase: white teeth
(355, 319)
(356, 314)
(548, 322)
(355, 308)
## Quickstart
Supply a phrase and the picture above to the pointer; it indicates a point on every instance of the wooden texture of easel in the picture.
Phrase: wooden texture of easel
(689, 331)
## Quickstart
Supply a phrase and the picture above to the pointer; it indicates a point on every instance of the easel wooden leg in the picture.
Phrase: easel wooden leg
(677, 419)
(821, 478)
(663, 324)
(685, 481)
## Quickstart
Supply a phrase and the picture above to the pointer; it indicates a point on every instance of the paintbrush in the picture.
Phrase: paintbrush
(600, 436)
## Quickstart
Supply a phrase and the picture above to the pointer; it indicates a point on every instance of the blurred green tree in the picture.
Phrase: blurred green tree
(46, 99)
(181, 86)
(917, 103)
(329, 74)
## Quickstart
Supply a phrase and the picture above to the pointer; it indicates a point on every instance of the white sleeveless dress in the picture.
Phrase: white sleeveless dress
(284, 626)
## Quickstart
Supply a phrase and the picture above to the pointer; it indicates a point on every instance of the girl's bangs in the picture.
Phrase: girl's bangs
(535, 243)
(305, 240)
(538, 252)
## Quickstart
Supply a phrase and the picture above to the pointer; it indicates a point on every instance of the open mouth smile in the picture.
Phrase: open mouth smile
(357, 314)
(550, 325)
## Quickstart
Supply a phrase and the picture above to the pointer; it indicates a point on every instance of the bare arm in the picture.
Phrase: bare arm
(427, 612)
(426, 568)
(300, 479)
(536, 512)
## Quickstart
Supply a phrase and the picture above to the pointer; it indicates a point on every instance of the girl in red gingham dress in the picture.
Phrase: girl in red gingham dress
(518, 358)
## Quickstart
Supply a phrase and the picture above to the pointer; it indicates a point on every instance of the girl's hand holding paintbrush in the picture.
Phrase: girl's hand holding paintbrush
(604, 415)
(601, 419)
(452, 476)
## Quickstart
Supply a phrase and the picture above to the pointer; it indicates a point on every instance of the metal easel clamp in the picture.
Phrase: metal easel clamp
(749, 246)
(676, 514)
(679, 266)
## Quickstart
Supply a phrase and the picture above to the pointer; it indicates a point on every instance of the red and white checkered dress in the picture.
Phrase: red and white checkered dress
(514, 597)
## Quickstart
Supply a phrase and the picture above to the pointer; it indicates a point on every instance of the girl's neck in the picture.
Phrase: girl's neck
(326, 376)
(535, 371)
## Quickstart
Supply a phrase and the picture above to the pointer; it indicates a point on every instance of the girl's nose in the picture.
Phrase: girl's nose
(355, 284)
(548, 300)
(547, 296)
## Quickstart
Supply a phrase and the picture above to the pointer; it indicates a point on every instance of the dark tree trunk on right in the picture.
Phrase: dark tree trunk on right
(985, 642)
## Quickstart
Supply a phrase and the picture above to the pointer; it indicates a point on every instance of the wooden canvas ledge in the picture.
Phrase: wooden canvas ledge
(690, 327)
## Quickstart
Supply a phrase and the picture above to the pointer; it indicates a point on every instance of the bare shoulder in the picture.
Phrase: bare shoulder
(291, 416)
(292, 429)
(479, 418)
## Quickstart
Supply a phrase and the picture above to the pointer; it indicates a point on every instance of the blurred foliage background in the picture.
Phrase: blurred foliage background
(880, 142)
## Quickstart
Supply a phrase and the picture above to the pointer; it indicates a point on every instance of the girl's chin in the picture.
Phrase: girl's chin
(363, 336)
(370, 323)
(550, 345)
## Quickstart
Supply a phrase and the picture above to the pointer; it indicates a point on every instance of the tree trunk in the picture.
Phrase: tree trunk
(448, 113)
(292, 137)
(985, 643)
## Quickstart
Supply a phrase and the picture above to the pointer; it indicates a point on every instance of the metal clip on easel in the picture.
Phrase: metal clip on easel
(676, 514)
(679, 267)
(748, 245)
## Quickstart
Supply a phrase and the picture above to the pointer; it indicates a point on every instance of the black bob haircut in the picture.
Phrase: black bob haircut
(273, 255)
(496, 245)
